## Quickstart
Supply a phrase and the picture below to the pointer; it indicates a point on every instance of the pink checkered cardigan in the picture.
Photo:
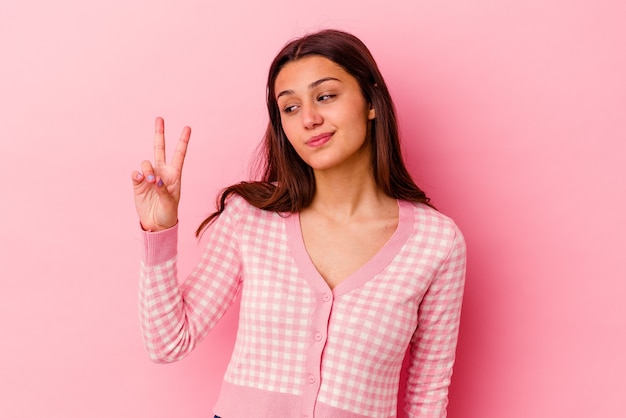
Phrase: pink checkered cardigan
(303, 349)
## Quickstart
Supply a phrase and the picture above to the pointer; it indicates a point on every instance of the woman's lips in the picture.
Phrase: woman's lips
(319, 140)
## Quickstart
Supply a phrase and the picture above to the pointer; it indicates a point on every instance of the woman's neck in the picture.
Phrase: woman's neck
(345, 195)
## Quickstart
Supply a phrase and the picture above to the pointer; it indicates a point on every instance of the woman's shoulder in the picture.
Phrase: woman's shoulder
(430, 221)
(237, 207)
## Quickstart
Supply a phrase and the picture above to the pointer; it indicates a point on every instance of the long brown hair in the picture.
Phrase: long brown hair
(287, 183)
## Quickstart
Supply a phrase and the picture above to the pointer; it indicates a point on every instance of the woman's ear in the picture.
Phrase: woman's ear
(372, 113)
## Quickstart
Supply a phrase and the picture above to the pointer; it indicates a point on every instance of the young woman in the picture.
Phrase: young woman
(341, 262)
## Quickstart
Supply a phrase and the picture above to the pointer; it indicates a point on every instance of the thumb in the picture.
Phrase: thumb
(168, 200)
(161, 189)
(167, 211)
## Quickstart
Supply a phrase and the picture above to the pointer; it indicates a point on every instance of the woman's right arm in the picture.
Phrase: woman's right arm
(175, 318)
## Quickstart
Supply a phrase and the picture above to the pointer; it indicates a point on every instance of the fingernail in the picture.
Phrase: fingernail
(150, 177)
(138, 176)
(160, 183)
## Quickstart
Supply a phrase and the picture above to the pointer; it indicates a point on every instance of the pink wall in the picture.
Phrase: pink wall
(513, 115)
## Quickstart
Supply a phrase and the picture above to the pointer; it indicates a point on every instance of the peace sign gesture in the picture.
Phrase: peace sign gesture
(157, 187)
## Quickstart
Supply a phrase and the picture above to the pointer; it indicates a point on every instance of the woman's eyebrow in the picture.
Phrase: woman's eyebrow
(311, 86)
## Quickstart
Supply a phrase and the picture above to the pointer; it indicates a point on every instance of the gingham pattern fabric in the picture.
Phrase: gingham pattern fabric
(303, 349)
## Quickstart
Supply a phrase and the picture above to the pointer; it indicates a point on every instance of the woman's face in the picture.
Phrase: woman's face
(323, 113)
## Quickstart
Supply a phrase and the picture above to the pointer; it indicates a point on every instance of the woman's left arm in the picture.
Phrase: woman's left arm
(433, 345)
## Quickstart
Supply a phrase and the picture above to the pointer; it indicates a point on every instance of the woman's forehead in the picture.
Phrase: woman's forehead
(307, 72)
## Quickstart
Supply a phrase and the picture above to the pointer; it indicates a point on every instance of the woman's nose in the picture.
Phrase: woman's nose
(311, 117)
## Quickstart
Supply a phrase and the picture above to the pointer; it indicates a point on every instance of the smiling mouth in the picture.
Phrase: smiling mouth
(319, 140)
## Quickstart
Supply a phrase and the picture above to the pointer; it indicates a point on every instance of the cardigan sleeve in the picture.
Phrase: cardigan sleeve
(173, 318)
(433, 345)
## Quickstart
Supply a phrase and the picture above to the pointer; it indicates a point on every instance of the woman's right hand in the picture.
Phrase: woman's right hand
(157, 186)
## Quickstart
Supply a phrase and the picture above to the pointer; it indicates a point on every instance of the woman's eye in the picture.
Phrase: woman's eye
(289, 109)
(325, 97)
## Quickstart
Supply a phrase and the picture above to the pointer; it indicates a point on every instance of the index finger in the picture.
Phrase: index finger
(181, 148)
(159, 141)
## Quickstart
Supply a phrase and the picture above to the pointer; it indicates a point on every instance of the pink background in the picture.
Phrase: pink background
(513, 115)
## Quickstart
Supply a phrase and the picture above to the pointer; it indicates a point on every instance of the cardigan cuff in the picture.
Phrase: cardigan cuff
(161, 246)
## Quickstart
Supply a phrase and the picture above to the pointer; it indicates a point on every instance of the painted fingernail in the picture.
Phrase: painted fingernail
(150, 177)
(138, 176)
(160, 183)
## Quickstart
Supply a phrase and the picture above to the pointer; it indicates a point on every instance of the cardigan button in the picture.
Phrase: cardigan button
(311, 379)
(318, 336)
(325, 297)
